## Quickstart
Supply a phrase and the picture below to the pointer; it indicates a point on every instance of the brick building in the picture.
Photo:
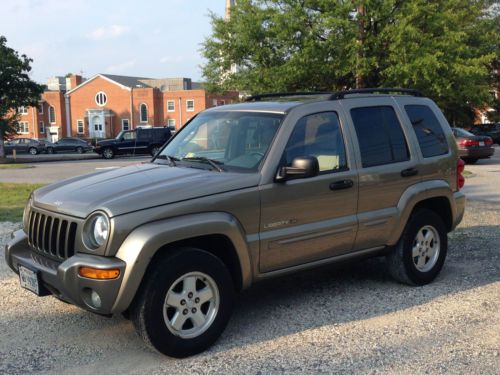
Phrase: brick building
(102, 106)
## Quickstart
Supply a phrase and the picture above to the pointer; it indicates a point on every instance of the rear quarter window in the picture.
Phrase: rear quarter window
(428, 130)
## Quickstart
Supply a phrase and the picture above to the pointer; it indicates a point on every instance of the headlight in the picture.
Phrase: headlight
(96, 231)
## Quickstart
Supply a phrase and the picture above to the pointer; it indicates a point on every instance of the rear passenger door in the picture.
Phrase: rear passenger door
(387, 166)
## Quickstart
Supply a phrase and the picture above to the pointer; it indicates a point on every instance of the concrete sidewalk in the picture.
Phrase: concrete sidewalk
(27, 158)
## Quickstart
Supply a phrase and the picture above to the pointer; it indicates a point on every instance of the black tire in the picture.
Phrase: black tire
(154, 150)
(33, 151)
(50, 150)
(79, 150)
(400, 260)
(108, 153)
(147, 311)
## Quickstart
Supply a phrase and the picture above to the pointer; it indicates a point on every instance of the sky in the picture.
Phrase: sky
(148, 38)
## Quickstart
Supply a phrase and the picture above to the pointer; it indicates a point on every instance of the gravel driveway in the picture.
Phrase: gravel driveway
(345, 319)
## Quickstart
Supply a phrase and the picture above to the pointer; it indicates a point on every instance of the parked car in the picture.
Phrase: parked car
(24, 146)
(69, 145)
(138, 141)
(490, 130)
(472, 147)
(284, 185)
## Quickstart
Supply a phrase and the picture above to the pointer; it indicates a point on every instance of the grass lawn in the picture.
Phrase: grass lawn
(16, 166)
(13, 198)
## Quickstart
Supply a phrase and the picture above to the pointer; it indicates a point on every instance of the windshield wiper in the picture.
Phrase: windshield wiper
(214, 163)
(170, 158)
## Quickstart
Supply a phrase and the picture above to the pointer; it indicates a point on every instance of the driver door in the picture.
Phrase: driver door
(309, 219)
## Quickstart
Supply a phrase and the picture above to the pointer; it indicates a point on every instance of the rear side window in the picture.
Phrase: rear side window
(381, 139)
(429, 133)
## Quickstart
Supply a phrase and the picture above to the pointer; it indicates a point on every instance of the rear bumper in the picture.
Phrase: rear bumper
(460, 200)
(476, 153)
(62, 279)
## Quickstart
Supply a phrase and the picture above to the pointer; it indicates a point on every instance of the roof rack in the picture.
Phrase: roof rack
(342, 94)
(258, 97)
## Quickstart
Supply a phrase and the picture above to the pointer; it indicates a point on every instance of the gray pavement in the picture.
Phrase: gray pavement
(485, 184)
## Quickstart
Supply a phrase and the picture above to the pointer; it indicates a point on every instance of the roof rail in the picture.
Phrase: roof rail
(258, 97)
(342, 94)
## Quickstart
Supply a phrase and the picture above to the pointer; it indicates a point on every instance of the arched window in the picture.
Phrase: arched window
(144, 112)
(52, 115)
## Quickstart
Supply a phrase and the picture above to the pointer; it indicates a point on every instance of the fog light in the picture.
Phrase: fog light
(95, 299)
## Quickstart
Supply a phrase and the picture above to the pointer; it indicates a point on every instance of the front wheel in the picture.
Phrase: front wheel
(185, 303)
(50, 150)
(108, 153)
(420, 252)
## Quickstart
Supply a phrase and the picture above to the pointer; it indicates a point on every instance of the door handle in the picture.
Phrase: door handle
(343, 184)
(409, 172)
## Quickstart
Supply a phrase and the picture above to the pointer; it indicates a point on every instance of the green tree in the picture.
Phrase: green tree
(442, 47)
(16, 89)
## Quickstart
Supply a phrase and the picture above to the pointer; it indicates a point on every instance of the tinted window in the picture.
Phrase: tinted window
(144, 135)
(430, 135)
(318, 135)
(381, 139)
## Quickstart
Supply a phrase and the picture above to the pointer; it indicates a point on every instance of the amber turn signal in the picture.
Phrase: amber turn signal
(94, 273)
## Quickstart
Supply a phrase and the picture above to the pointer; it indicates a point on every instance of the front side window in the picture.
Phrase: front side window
(52, 115)
(128, 136)
(190, 105)
(429, 133)
(234, 140)
(380, 136)
(101, 99)
(170, 106)
(318, 135)
(79, 127)
(144, 112)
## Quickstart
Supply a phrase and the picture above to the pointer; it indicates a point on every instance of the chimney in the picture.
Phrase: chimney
(72, 81)
(229, 5)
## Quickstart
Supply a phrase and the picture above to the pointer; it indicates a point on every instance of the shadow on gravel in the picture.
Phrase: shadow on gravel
(356, 291)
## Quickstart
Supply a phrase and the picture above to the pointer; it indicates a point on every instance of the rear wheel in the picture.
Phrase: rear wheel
(108, 153)
(185, 303)
(420, 253)
(79, 150)
(50, 150)
(33, 151)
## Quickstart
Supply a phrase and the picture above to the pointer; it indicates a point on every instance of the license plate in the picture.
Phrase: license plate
(481, 143)
(29, 279)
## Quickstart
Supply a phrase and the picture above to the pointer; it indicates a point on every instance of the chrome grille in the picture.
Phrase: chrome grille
(52, 236)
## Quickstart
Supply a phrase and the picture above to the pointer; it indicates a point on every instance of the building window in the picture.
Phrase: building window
(79, 127)
(52, 115)
(22, 127)
(40, 108)
(171, 123)
(125, 124)
(144, 112)
(42, 127)
(190, 105)
(101, 99)
(22, 110)
(170, 106)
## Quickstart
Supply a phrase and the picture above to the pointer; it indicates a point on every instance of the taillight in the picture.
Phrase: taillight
(460, 177)
(468, 143)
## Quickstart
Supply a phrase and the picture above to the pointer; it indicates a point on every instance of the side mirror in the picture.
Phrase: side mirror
(302, 167)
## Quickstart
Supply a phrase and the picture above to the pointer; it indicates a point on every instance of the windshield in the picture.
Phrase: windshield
(120, 135)
(233, 140)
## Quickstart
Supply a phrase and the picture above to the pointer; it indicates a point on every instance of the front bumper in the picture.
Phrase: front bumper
(62, 279)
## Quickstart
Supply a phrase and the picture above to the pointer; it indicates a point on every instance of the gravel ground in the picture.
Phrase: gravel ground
(346, 319)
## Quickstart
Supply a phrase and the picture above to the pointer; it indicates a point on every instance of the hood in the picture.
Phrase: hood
(106, 142)
(136, 187)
